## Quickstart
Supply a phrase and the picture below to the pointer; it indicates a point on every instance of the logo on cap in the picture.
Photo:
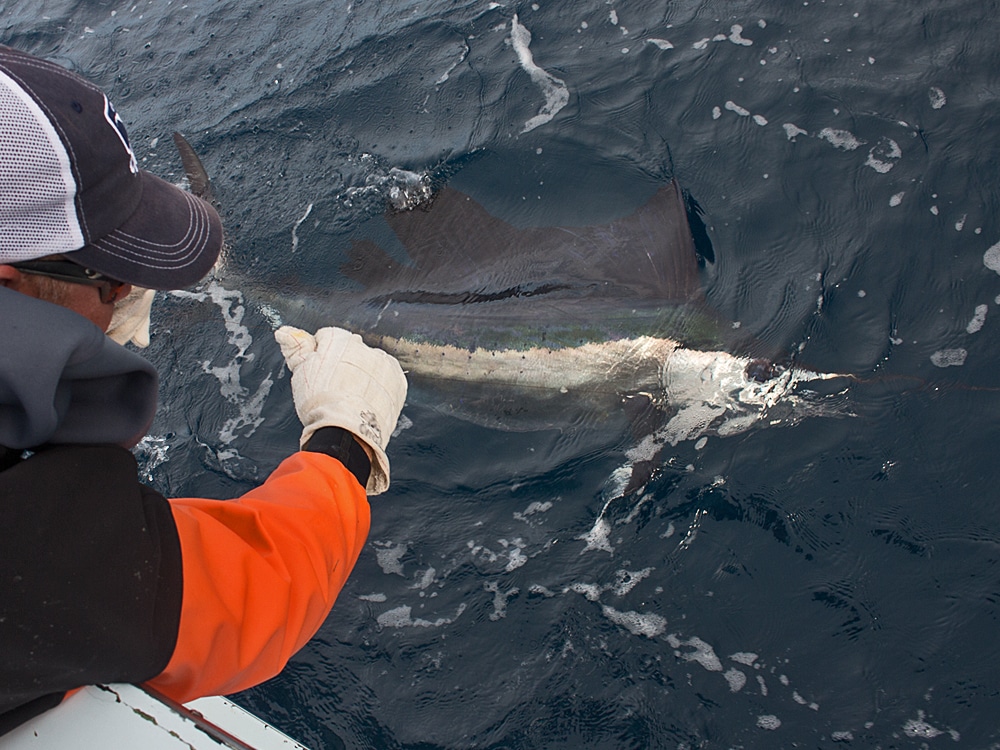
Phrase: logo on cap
(116, 122)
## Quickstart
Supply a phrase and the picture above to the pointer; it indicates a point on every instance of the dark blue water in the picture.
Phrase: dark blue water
(832, 581)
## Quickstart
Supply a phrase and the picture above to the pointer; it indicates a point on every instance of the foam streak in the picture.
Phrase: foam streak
(554, 89)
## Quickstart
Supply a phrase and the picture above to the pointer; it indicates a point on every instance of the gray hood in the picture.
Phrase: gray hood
(63, 381)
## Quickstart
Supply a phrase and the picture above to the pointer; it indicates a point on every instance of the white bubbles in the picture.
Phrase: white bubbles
(599, 536)
(883, 156)
(736, 36)
(389, 555)
(152, 452)
(768, 721)
(937, 97)
(702, 653)
(744, 657)
(762, 684)
(246, 422)
(515, 556)
(736, 679)
(741, 111)
(792, 130)
(803, 702)
(590, 590)
(660, 43)
(842, 139)
(402, 188)
(991, 258)
(395, 618)
(734, 107)
(920, 728)
(626, 580)
(403, 423)
(500, 599)
(949, 357)
(401, 617)
(978, 319)
(647, 624)
(532, 509)
(425, 580)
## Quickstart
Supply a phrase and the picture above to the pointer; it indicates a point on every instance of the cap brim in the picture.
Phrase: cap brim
(171, 241)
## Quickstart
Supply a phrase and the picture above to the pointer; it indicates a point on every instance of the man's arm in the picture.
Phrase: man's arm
(104, 580)
(261, 574)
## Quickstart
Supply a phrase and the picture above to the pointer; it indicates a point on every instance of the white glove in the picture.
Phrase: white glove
(339, 381)
(130, 320)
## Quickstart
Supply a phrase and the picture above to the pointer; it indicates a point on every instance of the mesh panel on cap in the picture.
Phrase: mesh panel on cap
(37, 189)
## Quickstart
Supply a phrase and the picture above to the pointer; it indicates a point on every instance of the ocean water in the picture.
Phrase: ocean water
(820, 582)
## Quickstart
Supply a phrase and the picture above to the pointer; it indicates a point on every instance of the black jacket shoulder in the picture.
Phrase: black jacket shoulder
(90, 575)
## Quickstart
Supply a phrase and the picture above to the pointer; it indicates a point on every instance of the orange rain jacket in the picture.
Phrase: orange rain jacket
(102, 579)
(261, 573)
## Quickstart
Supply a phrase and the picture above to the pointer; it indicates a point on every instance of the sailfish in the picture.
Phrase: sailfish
(519, 327)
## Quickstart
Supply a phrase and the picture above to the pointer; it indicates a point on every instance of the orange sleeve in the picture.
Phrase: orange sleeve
(261, 573)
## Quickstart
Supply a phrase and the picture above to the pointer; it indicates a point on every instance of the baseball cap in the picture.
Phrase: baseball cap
(70, 184)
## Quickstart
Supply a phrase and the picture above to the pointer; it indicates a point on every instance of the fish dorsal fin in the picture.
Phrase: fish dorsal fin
(452, 243)
(650, 251)
(193, 168)
(456, 246)
(369, 265)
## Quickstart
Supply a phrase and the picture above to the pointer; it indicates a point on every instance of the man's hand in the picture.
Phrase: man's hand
(339, 381)
(130, 321)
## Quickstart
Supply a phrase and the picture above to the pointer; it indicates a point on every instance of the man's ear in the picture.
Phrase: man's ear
(10, 276)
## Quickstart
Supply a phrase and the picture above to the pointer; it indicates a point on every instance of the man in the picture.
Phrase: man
(101, 578)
